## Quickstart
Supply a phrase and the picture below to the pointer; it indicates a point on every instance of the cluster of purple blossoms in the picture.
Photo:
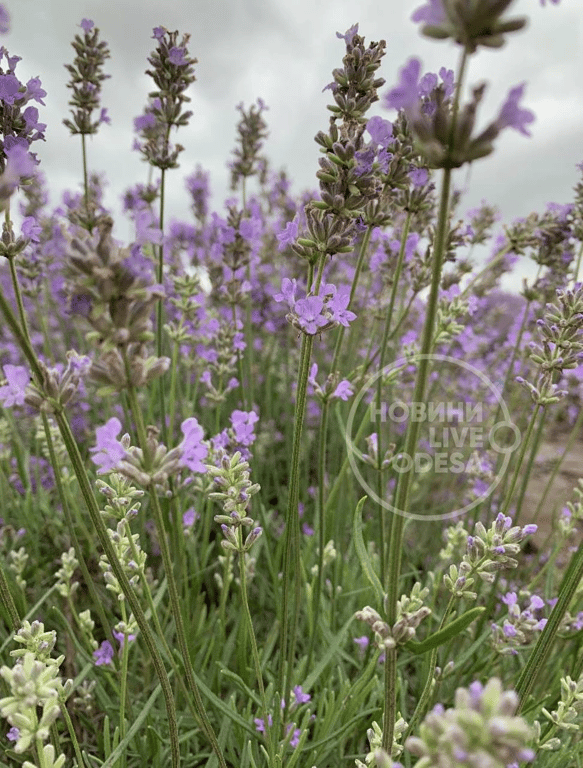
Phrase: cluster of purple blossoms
(520, 627)
(316, 313)
(299, 698)
(104, 654)
(443, 142)
(58, 385)
(240, 436)
(113, 455)
(333, 389)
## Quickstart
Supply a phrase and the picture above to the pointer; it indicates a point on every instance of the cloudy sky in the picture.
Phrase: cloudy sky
(284, 53)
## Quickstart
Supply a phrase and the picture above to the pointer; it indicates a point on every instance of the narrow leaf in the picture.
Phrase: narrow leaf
(451, 630)
(363, 555)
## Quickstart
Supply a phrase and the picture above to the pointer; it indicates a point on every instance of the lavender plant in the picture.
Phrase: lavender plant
(275, 358)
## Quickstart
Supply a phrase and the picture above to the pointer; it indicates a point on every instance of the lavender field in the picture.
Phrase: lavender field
(293, 481)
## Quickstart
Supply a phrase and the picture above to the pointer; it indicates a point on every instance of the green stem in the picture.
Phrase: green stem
(18, 296)
(539, 655)
(8, 602)
(500, 256)
(523, 447)
(292, 526)
(172, 588)
(72, 734)
(123, 685)
(578, 267)
(426, 693)
(255, 654)
(316, 595)
(379, 393)
(160, 309)
(177, 615)
(23, 337)
(88, 579)
(412, 435)
(120, 575)
(404, 484)
(160, 632)
(85, 175)
(291, 558)
(90, 501)
(173, 386)
(359, 264)
(528, 471)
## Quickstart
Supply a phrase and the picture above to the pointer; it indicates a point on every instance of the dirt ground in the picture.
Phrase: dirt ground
(570, 472)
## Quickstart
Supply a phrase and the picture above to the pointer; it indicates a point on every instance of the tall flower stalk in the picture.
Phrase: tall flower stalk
(345, 188)
(172, 72)
(86, 79)
(443, 135)
(93, 508)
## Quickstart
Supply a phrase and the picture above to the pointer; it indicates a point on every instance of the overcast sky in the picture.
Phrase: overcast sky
(284, 52)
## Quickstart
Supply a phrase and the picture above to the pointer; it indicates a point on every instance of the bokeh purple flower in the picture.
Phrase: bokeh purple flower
(13, 392)
(193, 450)
(104, 654)
(108, 451)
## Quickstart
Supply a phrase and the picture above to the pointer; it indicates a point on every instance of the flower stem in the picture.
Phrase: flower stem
(172, 588)
(8, 602)
(255, 654)
(538, 657)
(93, 508)
(396, 523)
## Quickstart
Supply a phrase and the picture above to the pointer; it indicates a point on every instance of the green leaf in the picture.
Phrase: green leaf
(363, 556)
(445, 634)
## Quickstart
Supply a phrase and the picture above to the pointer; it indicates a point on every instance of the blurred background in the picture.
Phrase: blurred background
(284, 53)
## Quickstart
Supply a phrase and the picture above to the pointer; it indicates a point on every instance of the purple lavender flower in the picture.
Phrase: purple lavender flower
(348, 36)
(260, 724)
(344, 390)
(242, 423)
(34, 90)
(288, 292)
(295, 739)
(178, 56)
(120, 637)
(419, 177)
(289, 235)
(30, 229)
(4, 20)
(9, 87)
(309, 314)
(192, 447)
(405, 95)
(19, 164)
(198, 187)
(108, 451)
(14, 391)
(104, 654)
(381, 131)
(362, 642)
(300, 696)
(431, 13)
(513, 116)
(189, 517)
(13, 734)
(338, 304)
